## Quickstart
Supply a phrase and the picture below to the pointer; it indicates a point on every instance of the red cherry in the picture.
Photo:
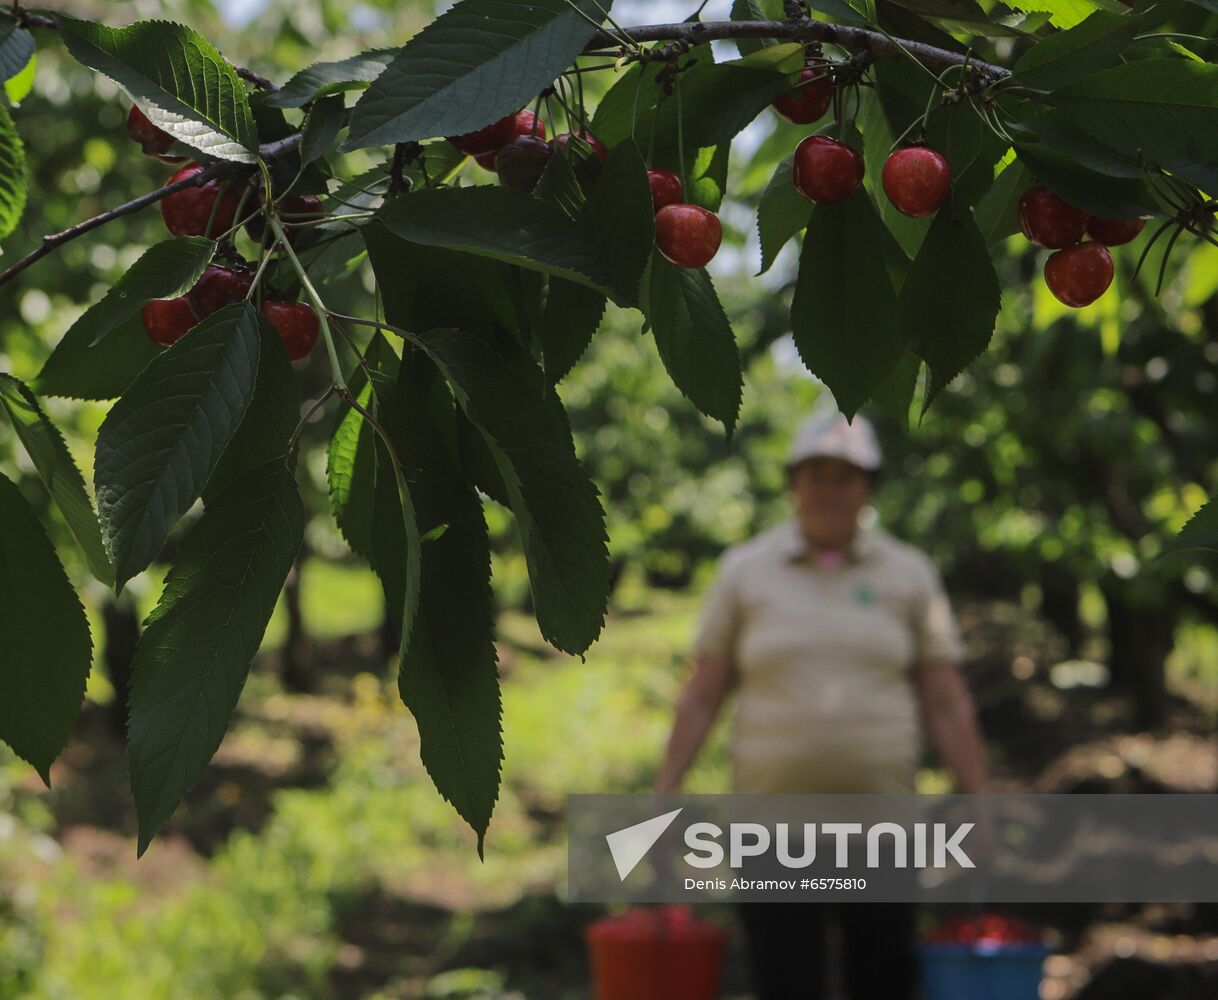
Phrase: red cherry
(522, 161)
(297, 324)
(1113, 232)
(166, 320)
(219, 286)
(916, 180)
(486, 161)
(1080, 274)
(809, 99)
(825, 170)
(561, 140)
(499, 134)
(1049, 221)
(666, 188)
(688, 235)
(153, 140)
(301, 208)
(186, 212)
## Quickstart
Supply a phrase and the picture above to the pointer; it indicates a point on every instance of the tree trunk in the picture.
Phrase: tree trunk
(1141, 637)
(299, 670)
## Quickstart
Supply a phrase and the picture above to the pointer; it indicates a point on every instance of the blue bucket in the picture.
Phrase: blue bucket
(963, 971)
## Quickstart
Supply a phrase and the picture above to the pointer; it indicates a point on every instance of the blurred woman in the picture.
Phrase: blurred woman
(840, 645)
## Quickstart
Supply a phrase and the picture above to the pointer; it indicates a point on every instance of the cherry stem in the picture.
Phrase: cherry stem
(681, 137)
(322, 312)
(320, 402)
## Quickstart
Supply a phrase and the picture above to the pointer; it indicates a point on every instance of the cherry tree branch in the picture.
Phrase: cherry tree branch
(53, 241)
(804, 29)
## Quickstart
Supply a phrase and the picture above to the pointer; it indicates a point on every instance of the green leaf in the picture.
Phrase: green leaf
(272, 416)
(177, 78)
(1111, 197)
(707, 176)
(950, 299)
(13, 185)
(555, 502)
(164, 270)
(158, 445)
(965, 18)
(194, 655)
(879, 137)
(695, 339)
(895, 392)
(1065, 13)
(843, 315)
(325, 78)
(478, 462)
(448, 677)
(351, 465)
(997, 213)
(44, 635)
(620, 215)
(16, 49)
(17, 88)
(1096, 43)
(571, 317)
(718, 99)
(53, 462)
(750, 10)
(321, 127)
(81, 371)
(781, 213)
(477, 62)
(559, 184)
(1160, 111)
(503, 224)
(1199, 532)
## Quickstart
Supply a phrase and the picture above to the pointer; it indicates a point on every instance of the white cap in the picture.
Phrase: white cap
(830, 433)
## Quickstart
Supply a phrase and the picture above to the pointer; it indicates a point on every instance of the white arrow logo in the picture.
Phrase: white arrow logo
(630, 845)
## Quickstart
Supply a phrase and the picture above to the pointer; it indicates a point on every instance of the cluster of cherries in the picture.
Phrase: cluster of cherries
(987, 930)
(825, 170)
(204, 210)
(515, 148)
(1080, 271)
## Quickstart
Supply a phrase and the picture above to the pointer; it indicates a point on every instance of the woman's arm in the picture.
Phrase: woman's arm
(951, 721)
(697, 709)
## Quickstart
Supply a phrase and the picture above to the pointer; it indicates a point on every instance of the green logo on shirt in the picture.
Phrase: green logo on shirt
(863, 594)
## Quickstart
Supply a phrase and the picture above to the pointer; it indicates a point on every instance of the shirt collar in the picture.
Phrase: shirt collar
(796, 546)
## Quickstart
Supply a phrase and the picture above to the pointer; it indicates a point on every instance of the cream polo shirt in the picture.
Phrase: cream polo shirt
(825, 656)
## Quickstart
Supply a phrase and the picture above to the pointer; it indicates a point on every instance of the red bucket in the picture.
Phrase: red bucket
(656, 953)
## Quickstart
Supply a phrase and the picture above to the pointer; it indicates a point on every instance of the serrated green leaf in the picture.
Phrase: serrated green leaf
(164, 270)
(750, 10)
(1110, 197)
(997, 213)
(555, 502)
(620, 215)
(706, 176)
(1096, 43)
(875, 121)
(178, 79)
(477, 62)
(950, 300)
(559, 184)
(695, 339)
(194, 655)
(158, 445)
(44, 635)
(1199, 532)
(1157, 111)
(448, 677)
(351, 464)
(80, 371)
(781, 213)
(1065, 13)
(325, 78)
(272, 416)
(895, 392)
(570, 319)
(13, 184)
(502, 224)
(53, 462)
(843, 315)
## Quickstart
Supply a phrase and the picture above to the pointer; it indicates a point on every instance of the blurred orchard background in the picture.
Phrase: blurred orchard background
(316, 860)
